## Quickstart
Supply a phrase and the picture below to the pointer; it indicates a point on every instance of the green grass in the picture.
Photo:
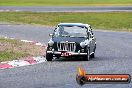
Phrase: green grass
(11, 49)
(63, 2)
(7, 51)
(11, 41)
(117, 21)
(8, 56)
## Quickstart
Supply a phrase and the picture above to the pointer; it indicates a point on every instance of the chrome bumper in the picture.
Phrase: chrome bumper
(72, 53)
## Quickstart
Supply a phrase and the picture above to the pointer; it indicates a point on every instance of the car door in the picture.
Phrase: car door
(92, 41)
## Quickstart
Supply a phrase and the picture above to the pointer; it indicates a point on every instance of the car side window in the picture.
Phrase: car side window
(90, 34)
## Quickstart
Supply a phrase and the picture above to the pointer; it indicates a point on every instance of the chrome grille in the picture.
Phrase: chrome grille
(66, 46)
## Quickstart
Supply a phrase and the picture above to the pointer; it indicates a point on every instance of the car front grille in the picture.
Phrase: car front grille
(66, 46)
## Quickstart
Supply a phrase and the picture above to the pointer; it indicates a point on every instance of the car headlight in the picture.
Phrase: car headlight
(82, 44)
(51, 42)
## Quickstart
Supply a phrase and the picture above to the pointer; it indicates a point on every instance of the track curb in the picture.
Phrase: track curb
(24, 61)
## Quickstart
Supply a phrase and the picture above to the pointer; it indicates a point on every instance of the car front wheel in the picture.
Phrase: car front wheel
(49, 57)
(92, 55)
(87, 57)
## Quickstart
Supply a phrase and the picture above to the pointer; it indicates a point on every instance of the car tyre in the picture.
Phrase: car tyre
(49, 57)
(87, 57)
(92, 55)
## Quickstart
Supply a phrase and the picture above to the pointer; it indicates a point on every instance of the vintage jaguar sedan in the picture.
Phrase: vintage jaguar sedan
(70, 40)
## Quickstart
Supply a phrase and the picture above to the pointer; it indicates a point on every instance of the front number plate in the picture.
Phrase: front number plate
(65, 54)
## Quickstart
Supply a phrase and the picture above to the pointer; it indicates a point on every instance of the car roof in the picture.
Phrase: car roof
(74, 24)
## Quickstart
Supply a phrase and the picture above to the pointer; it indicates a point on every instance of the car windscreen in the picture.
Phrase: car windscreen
(71, 31)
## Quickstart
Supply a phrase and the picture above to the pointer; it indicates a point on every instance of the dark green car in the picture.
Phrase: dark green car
(70, 40)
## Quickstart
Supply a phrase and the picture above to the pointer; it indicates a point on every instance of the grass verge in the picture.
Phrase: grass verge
(116, 21)
(11, 49)
(64, 2)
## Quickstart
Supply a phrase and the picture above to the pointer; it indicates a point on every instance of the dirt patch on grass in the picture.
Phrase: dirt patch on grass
(11, 49)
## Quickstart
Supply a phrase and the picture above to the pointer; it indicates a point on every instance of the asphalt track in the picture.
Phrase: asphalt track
(67, 9)
(113, 55)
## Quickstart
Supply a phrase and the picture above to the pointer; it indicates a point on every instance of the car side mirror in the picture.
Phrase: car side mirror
(86, 37)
